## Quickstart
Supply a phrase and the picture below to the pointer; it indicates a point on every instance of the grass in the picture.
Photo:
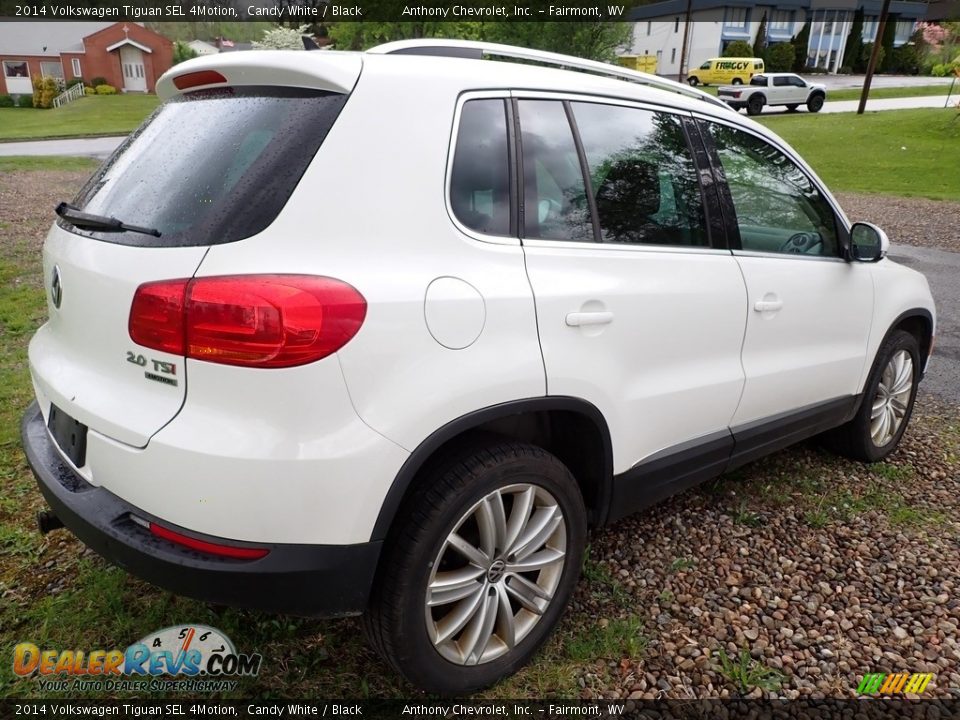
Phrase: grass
(899, 152)
(608, 639)
(747, 673)
(88, 116)
(875, 93)
(14, 163)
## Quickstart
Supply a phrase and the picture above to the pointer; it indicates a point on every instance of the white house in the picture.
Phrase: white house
(658, 28)
(202, 47)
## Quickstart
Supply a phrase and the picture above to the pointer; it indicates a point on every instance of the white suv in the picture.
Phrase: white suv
(386, 333)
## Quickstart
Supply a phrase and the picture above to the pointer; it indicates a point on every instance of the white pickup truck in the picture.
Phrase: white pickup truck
(774, 89)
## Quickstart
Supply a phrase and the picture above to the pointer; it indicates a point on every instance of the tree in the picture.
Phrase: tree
(281, 38)
(854, 46)
(780, 57)
(800, 42)
(760, 44)
(592, 40)
(886, 59)
(738, 48)
(182, 51)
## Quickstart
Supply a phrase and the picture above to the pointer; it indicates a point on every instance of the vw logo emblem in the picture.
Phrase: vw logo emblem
(496, 571)
(56, 288)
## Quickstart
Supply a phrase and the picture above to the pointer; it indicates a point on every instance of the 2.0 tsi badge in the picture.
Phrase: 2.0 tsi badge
(56, 288)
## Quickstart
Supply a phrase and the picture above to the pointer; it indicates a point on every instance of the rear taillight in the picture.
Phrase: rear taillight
(266, 321)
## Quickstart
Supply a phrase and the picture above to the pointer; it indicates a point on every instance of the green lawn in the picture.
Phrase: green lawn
(894, 152)
(95, 115)
(875, 93)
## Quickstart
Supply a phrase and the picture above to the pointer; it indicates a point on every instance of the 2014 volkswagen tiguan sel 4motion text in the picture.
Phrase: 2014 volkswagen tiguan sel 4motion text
(386, 333)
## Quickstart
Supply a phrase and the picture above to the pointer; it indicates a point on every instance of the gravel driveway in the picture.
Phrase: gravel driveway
(818, 570)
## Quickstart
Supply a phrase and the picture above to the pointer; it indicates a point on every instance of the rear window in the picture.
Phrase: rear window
(210, 167)
(759, 80)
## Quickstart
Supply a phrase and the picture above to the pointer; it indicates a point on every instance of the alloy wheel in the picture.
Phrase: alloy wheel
(892, 398)
(496, 574)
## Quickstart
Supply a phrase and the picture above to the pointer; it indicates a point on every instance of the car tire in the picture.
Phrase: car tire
(792, 107)
(737, 81)
(755, 105)
(886, 405)
(815, 103)
(692, 80)
(423, 633)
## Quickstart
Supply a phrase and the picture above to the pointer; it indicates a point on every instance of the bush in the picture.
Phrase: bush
(45, 89)
(861, 66)
(905, 60)
(738, 48)
(25, 101)
(945, 69)
(89, 91)
(98, 81)
(780, 57)
(7, 101)
(75, 81)
(845, 70)
(105, 89)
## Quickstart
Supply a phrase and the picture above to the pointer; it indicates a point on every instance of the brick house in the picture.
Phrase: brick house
(128, 55)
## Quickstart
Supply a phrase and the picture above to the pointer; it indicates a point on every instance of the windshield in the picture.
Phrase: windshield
(211, 166)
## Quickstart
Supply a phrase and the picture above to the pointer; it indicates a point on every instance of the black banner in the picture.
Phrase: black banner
(860, 709)
(319, 11)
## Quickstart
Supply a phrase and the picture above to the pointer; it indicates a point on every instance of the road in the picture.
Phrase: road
(943, 272)
(98, 148)
(840, 106)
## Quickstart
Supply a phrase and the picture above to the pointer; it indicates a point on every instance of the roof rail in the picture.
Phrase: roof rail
(477, 50)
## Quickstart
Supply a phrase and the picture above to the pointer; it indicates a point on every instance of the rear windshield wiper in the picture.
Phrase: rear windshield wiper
(77, 217)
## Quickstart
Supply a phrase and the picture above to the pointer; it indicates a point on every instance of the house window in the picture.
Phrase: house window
(649, 26)
(51, 69)
(75, 66)
(736, 18)
(676, 25)
(673, 55)
(781, 20)
(15, 68)
(659, 56)
(869, 30)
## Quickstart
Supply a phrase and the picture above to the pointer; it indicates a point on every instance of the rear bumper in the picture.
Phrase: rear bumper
(311, 580)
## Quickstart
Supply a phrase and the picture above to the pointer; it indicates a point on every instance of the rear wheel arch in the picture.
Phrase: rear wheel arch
(571, 429)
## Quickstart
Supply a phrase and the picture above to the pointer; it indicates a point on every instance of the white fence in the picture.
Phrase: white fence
(69, 96)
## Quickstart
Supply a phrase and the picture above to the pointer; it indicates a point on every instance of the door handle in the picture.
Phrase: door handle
(580, 319)
(762, 306)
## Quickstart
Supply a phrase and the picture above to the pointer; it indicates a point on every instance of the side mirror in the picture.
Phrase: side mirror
(868, 243)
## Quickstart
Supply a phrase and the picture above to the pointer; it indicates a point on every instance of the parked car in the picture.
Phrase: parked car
(386, 333)
(774, 89)
(725, 69)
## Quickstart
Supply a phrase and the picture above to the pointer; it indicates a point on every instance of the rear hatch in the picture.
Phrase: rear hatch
(214, 164)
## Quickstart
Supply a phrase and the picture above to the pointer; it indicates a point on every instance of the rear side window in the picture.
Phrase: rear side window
(554, 195)
(480, 177)
(210, 167)
(643, 176)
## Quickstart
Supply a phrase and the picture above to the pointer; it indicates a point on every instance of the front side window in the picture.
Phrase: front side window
(778, 208)
(554, 195)
(480, 177)
(643, 176)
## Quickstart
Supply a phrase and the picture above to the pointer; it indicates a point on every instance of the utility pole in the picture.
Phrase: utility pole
(874, 54)
(683, 49)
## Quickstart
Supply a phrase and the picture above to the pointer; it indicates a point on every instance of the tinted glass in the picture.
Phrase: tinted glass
(480, 179)
(642, 175)
(210, 167)
(778, 207)
(781, 81)
(555, 201)
(758, 80)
